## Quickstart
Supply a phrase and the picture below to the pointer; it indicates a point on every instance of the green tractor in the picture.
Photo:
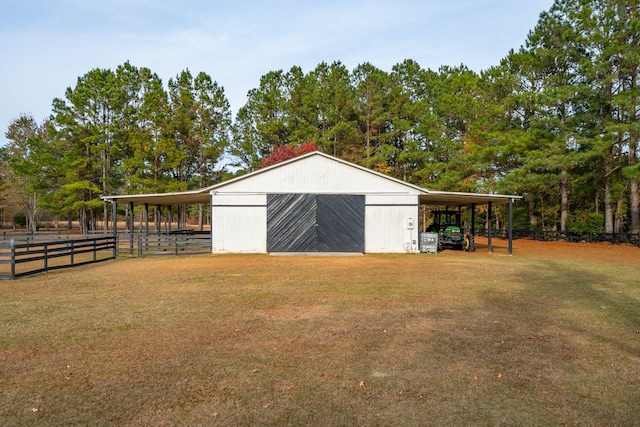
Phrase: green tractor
(450, 234)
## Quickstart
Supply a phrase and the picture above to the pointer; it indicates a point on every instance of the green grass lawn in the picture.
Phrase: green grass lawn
(450, 339)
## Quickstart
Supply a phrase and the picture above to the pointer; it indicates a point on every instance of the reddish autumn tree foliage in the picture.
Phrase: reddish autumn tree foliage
(284, 152)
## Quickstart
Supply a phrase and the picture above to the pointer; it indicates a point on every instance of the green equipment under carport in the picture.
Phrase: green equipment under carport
(450, 234)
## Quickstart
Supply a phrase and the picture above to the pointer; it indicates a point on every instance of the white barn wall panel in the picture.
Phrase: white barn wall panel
(239, 223)
(386, 222)
(238, 199)
(391, 199)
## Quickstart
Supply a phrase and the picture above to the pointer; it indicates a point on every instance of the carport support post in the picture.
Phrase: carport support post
(146, 225)
(473, 219)
(489, 219)
(131, 228)
(146, 218)
(510, 230)
(157, 219)
(130, 225)
(114, 217)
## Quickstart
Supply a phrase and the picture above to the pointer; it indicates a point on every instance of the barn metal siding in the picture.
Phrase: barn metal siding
(239, 223)
(238, 199)
(386, 221)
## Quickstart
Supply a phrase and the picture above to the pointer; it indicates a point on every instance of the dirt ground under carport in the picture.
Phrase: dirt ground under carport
(622, 254)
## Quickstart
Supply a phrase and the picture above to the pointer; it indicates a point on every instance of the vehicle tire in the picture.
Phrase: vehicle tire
(469, 244)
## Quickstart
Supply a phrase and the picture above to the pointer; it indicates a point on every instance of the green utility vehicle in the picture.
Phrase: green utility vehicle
(450, 234)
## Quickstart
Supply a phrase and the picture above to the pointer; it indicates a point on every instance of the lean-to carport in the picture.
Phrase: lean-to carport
(159, 200)
(452, 200)
(471, 200)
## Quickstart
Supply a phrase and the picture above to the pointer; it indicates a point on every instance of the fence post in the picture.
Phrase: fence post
(175, 240)
(95, 249)
(13, 259)
(140, 246)
(73, 251)
(46, 257)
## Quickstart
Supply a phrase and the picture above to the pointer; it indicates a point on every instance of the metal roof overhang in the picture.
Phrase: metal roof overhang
(164, 199)
(427, 197)
(454, 199)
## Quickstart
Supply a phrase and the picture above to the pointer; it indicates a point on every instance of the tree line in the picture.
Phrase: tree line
(117, 132)
(556, 122)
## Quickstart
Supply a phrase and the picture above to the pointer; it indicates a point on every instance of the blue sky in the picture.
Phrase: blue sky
(45, 45)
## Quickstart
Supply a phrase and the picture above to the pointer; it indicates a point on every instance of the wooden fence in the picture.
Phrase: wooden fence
(175, 243)
(30, 256)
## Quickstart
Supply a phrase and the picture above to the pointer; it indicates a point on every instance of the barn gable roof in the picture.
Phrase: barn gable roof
(314, 172)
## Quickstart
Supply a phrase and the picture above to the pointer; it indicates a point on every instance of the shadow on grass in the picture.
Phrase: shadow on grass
(566, 342)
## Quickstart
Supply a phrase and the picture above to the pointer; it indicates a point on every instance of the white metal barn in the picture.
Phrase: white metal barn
(314, 203)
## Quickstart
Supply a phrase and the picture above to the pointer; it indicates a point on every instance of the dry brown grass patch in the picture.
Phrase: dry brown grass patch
(547, 337)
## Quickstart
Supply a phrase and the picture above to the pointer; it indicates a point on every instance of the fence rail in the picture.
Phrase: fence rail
(175, 243)
(25, 237)
(22, 258)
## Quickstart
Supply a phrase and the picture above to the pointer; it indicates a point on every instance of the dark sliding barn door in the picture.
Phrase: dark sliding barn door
(340, 221)
(291, 223)
(315, 223)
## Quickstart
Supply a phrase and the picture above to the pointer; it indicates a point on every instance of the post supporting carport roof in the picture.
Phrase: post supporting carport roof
(146, 218)
(489, 226)
(114, 217)
(473, 219)
(510, 227)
